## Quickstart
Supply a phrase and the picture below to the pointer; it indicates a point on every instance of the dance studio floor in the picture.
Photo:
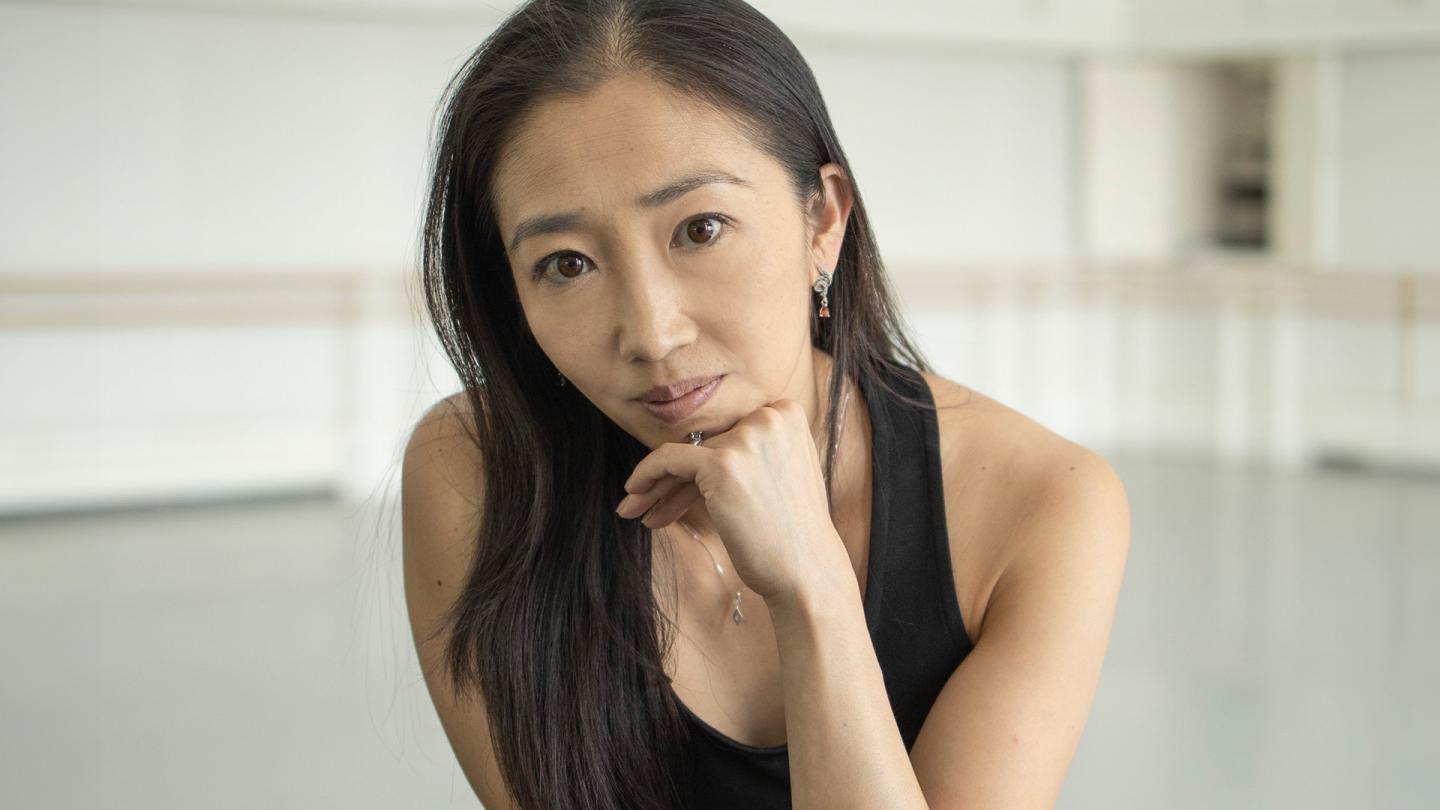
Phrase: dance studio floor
(1275, 647)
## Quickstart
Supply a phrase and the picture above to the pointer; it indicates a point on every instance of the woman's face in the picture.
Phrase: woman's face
(630, 279)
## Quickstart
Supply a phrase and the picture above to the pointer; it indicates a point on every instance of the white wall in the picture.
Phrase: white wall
(140, 140)
(985, 24)
(1239, 361)
(250, 148)
(1150, 134)
(235, 148)
(961, 158)
(1387, 170)
(1249, 26)
(1355, 168)
(1299, 140)
(239, 146)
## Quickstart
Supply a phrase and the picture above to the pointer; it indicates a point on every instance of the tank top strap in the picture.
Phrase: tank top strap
(916, 626)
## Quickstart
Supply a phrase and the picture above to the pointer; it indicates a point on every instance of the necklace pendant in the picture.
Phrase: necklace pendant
(737, 616)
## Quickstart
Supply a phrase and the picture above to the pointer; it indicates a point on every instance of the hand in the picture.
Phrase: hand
(764, 491)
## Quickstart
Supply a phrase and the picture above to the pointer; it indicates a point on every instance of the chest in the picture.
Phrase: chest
(729, 675)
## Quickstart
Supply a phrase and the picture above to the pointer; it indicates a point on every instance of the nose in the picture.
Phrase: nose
(652, 313)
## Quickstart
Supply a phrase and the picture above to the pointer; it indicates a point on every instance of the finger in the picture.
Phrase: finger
(668, 510)
(636, 503)
(680, 459)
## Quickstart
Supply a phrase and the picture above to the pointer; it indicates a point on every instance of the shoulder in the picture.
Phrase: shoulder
(1013, 488)
(1043, 525)
(441, 487)
(441, 456)
(442, 493)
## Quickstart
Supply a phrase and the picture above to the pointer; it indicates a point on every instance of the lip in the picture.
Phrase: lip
(675, 410)
(675, 390)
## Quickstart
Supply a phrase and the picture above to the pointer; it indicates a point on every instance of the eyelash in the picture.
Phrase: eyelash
(725, 227)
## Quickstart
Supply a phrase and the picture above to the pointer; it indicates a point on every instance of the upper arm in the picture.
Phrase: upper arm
(442, 487)
(1006, 724)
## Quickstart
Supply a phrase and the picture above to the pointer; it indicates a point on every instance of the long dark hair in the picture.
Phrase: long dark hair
(557, 625)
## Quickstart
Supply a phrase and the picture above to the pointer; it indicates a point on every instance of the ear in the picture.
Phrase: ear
(827, 216)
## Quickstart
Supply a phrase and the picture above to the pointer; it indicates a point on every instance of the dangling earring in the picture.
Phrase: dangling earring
(562, 378)
(822, 286)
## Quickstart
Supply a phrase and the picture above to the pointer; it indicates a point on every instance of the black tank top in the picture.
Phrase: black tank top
(911, 608)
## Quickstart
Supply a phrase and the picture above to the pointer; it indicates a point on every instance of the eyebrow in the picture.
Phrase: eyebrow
(675, 189)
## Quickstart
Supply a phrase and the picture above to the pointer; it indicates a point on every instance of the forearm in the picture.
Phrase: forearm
(845, 748)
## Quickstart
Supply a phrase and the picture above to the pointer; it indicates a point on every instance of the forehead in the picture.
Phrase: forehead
(600, 151)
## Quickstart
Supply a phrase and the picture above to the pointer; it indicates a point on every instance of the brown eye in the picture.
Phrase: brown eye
(566, 264)
(705, 230)
(701, 230)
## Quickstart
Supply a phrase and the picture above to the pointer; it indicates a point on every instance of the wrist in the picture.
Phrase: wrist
(817, 598)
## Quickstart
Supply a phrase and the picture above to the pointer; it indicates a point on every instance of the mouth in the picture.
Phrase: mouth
(675, 390)
(683, 406)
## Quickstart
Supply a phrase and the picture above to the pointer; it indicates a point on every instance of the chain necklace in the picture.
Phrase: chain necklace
(736, 614)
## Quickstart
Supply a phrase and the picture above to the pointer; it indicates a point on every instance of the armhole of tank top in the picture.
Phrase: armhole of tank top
(940, 528)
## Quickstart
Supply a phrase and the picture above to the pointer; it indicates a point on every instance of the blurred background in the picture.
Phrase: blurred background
(1201, 237)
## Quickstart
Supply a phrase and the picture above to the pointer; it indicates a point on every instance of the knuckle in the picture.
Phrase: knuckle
(727, 461)
(769, 418)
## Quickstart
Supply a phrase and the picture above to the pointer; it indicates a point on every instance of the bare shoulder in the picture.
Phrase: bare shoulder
(441, 450)
(1003, 474)
(442, 493)
(442, 485)
(1040, 533)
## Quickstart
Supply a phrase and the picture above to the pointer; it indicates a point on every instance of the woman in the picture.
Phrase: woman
(630, 591)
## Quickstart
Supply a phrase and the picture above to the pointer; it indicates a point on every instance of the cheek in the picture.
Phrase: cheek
(772, 291)
(566, 344)
(763, 318)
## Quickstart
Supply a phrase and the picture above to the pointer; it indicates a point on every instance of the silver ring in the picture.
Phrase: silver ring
(697, 436)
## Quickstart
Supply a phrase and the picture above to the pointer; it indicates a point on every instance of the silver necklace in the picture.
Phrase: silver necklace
(698, 436)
